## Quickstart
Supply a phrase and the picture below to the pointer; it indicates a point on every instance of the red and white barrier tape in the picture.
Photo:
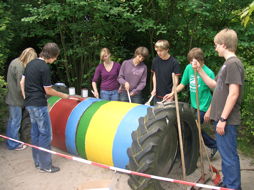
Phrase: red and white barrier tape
(120, 169)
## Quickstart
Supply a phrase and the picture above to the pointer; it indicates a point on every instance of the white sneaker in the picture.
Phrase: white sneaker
(21, 147)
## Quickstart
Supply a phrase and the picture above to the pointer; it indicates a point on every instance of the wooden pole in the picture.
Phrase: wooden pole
(199, 128)
(209, 161)
(129, 97)
(179, 126)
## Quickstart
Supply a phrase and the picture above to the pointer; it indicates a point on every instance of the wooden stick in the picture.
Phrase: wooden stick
(179, 127)
(129, 97)
(149, 101)
(161, 102)
(199, 127)
(209, 161)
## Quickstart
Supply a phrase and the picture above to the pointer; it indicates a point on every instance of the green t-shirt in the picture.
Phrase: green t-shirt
(204, 92)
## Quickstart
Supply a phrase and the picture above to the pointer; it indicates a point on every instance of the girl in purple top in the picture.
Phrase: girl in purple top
(106, 73)
(132, 76)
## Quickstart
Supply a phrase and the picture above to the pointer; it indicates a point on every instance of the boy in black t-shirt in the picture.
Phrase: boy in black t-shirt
(162, 67)
(35, 84)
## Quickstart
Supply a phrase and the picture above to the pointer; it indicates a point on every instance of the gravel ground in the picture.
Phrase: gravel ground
(18, 173)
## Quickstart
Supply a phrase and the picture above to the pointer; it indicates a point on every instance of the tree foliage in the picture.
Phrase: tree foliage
(6, 35)
(246, 14)
(83, 27)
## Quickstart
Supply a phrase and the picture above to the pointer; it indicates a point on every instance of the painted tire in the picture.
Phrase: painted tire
(59, 114)
(95, 129)
(125, 135)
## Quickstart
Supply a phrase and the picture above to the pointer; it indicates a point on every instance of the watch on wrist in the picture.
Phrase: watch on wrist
(222, 119)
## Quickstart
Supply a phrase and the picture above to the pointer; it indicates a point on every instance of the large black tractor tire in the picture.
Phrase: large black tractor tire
(155, 145)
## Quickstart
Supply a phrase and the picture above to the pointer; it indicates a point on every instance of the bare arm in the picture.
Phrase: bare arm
(211, 83)
(22, 86)
(170, 97)
(234, 92)
(207, 115)
(153, 93)
(179, 88)
(52, 92)
(96, 94)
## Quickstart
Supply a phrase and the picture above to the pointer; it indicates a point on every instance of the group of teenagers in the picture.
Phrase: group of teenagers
(219, 97)
(117, 82)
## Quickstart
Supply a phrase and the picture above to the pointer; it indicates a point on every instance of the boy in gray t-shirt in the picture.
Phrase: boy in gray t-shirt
(225, 106)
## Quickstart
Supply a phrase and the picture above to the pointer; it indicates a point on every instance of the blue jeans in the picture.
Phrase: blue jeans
(209, 141)
(14, 123)
(109, 95)
(40, 135)
(227, 146)
(134, 99)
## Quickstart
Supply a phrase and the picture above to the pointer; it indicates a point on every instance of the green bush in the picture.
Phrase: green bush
(3, 108)
(246, 131)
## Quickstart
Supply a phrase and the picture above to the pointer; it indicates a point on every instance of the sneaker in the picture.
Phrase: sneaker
(53, 169)
(21, 147)
(213, 152)
(37, 166)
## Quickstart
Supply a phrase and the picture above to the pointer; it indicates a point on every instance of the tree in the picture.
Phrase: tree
(246, 14)
(80, 27)
(6, 35)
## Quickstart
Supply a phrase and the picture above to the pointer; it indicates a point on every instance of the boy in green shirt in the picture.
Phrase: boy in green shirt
(204, 92)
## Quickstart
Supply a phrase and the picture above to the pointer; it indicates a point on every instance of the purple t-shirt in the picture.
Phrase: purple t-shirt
(108, 79)
(134, 75)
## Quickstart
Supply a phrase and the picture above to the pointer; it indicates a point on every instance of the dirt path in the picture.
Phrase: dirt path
(18, 173)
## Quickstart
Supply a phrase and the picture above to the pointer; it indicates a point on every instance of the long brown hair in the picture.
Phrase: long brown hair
(27, 55)
(103, 52)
